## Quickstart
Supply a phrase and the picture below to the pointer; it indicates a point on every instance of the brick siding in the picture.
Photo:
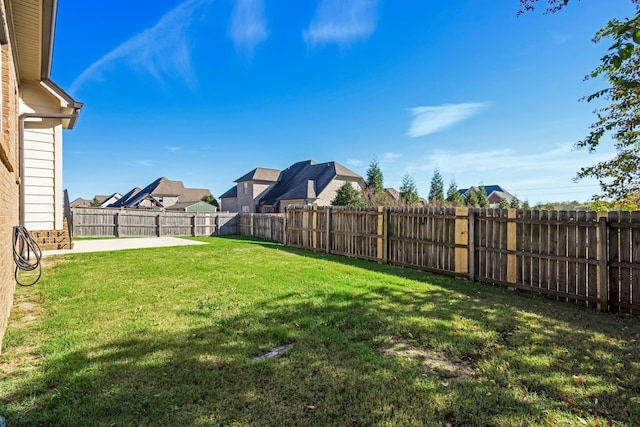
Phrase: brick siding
(9, 182)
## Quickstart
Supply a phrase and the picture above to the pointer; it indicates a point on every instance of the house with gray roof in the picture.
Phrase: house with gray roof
(271, 190)
(161, 193)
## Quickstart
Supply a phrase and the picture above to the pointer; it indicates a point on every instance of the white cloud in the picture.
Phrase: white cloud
(341, 22)
(144, 163)
(391, 156)
(355, 162)
(248, 26)
(174, 149)
(428, 120)
(162, 50)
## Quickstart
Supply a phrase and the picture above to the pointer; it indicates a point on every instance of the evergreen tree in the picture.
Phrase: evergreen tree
(503, 204)
(453, 195)
(526, 205)
(409, 191)
(347, 195)
(95, 203)
(436, 192)
(374, 177)
(515, 203)
(483, 200)
(471, 198)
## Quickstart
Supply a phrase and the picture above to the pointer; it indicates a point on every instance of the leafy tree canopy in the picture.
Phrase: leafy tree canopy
(208, 198)
(347, 195)
(619, 177)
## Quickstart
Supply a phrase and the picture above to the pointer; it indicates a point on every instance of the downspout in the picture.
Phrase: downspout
(21, 120)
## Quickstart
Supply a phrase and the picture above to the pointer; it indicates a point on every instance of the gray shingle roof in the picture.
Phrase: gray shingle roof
(305, 180)
(161, 187)
(260, 174)
(232, 192)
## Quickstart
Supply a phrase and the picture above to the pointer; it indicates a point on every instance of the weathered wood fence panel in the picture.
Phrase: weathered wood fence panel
(423, 238)
(99, 222)
(575, 256)
(265, 226)
(624, 262)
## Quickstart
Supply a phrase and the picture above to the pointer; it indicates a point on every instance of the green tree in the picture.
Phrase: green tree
(453, 195)
(619, 177)
(483, 200)
(347, 195)
(95, 203)
(409, 191)
(515, 203)
(374, 177)
(436, 191)
(471, 198)
(503, 204)
(208, 198)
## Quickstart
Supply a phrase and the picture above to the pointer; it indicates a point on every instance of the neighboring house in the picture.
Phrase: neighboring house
(161, 193)
(495, 194)
(198, 206)
(81, 203)
(34, 113)
(393, 194)
(270, 190)
(107, 200)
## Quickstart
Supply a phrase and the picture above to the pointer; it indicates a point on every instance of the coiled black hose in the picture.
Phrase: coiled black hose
(23, 247)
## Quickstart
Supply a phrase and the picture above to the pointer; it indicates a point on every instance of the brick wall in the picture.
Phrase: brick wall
(52, 240)
(9, 181)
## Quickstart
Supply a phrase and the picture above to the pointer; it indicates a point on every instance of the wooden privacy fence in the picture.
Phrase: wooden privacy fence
(266, 226)
(105, 222)
(576, 256)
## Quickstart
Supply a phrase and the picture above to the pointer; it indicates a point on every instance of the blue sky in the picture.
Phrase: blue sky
(203, 91)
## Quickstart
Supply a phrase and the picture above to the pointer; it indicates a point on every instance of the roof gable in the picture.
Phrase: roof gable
(305, 180)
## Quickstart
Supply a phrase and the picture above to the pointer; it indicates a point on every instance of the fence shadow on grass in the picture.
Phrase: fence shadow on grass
(529, 356)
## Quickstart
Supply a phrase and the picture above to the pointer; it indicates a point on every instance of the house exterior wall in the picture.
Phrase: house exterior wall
(167, 201)
(229, 204)
(247, 195)
(43, 205)
(329, 193)
(9, 177)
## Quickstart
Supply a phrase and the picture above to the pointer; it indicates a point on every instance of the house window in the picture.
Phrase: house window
(246, 187)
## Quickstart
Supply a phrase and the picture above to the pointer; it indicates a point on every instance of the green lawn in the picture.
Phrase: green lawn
(166, 337)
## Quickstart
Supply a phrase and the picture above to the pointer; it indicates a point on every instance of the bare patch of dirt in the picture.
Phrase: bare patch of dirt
(435, 365)
(25, 310)
(18, 359)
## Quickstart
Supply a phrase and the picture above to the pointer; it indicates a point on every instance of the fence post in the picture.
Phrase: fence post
(381, 233)
(603, 261)
(471, 255)
(159, 224)
(251, 225)
(511, 246)
(193, 225)
(116, 224)
(314, 227)
(461, 250)
(329, 230)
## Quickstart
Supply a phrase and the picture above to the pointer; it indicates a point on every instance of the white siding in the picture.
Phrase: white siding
(39, 177)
